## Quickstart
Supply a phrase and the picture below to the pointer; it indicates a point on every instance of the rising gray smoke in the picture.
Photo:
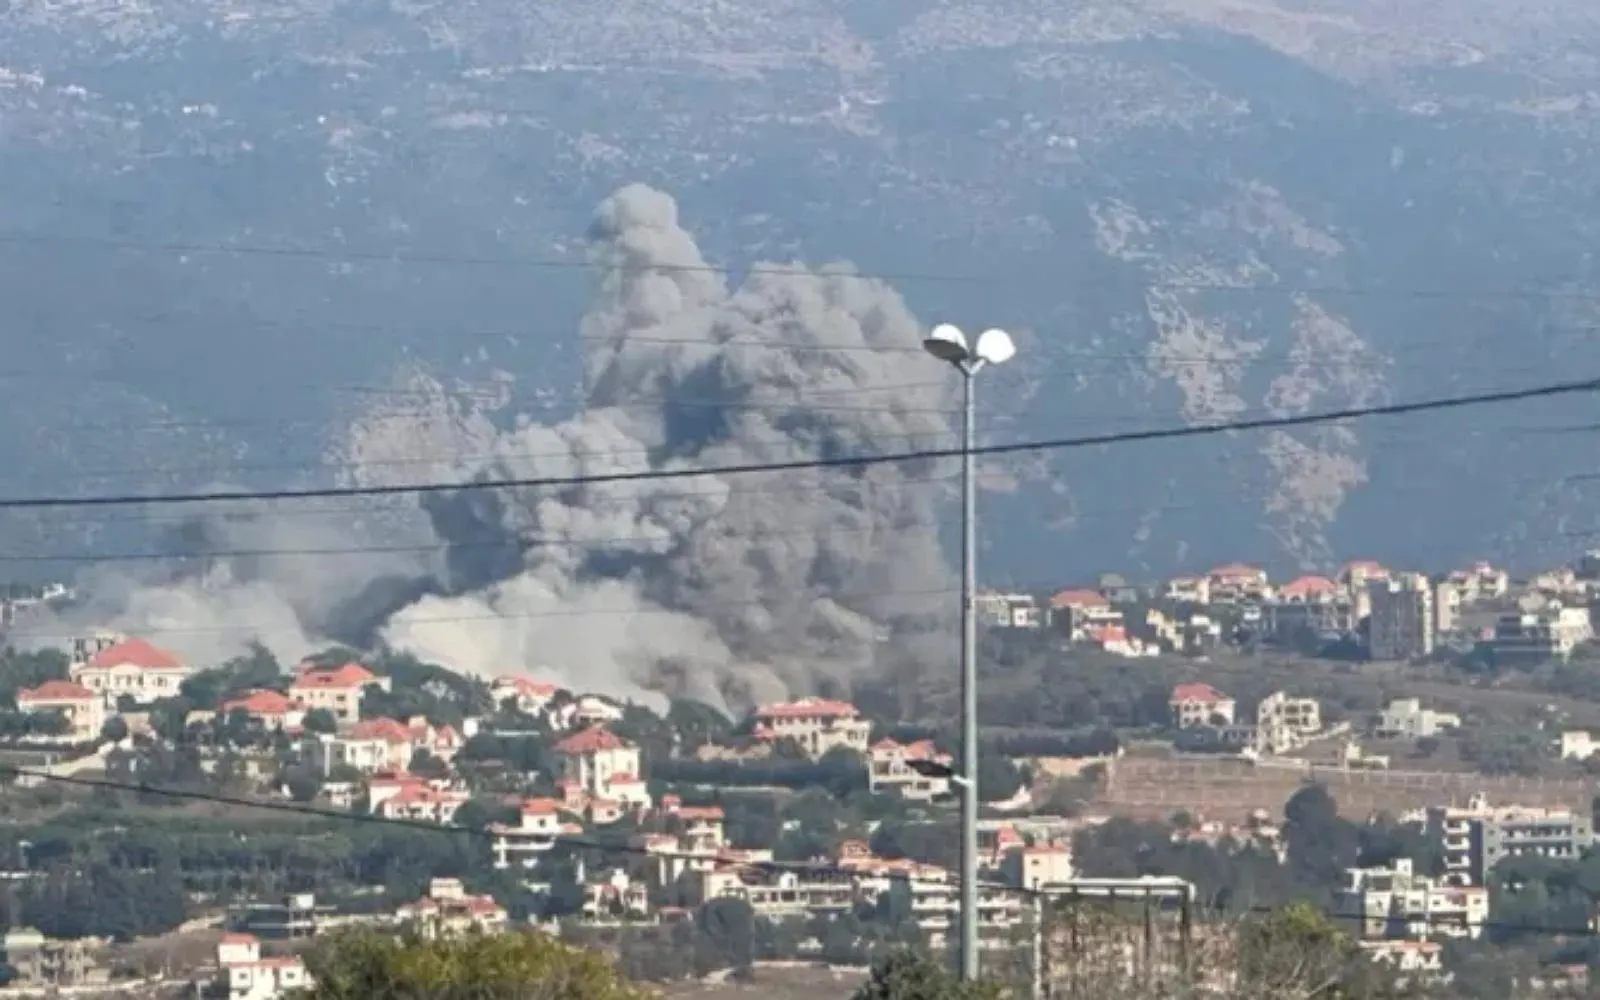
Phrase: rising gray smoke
(721, 587)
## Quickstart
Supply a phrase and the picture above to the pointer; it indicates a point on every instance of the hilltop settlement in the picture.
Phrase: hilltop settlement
(1411, 754)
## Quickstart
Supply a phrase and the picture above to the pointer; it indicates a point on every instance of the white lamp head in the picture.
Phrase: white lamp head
(995, 347)
(947, 343)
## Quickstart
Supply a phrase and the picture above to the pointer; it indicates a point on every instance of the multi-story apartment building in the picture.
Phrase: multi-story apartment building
(1195, 705)
(534, 833)
(1074, 612)
(246, 975)
(1531, 638)
(930, 897)
(1188, 590)
(1238, 582)
(1401, 623)
(817, 725)
(1480, 836)
(1397, 902)
(889, 769)
(601, 765)
(1008, 611)
(132, 668)
(1284, 723)
(778, 895)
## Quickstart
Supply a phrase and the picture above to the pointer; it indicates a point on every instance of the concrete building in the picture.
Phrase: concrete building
(245, 975)
(816, 724)
(448, 909)
(1195, 705)
(132, 668)
(535, 832)
(1480, 836)
(1035, 867)
(83, 710)
(1284, 723)
(528, 696)
(602, 765)
(1008, 611)
(271, 709)
(339, 690)
(1397, 902)
(38, 962)
(1406, 718)
(1401, 621)
(1533, 637)
(298, 917)
(889, 770)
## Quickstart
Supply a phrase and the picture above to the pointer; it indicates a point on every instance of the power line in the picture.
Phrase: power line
(826, 271)
(1059, 444)
(610, 847)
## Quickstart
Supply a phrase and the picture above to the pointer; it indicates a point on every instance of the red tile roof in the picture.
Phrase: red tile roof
(1205, 694)
(526, 686)
(55, 691)
(592, 740)
(351, 675)
(808, 707)
(1079, 599)
(387, 730)
(699, 812)
(540, 807)
(135, 653)
(239, 939)
(260, 703)
(1306, 585)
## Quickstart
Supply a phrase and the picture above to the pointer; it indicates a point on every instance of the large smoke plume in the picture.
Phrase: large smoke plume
(720, 587)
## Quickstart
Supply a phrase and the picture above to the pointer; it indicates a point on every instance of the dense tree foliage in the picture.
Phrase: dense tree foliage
(369, 965)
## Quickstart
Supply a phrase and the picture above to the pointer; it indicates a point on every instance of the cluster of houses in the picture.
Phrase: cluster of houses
(1393, 614)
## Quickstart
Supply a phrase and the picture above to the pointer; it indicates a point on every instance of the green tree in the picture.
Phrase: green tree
(528, 965)
(115, 730)
(910, 975)
(320, 720)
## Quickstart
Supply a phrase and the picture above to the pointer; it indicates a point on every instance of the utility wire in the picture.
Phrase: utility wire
(1058, 444)
(827, 271)
(611, 847)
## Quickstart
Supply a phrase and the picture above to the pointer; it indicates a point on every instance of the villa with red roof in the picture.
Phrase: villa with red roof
(816, 724)
(132, 667)
(529, 696)
(83, 709)
(597, 764)
(375, 745)
(520, 844)
(271, 709)
(337, 689)
(1309, 590)
(889, 769)
(449, 910)
(1196, 704)
(1237, 582)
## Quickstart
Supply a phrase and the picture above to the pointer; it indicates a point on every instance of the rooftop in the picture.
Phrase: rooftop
(135, 653)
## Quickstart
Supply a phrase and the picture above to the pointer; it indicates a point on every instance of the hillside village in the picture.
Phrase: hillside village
(824, 822)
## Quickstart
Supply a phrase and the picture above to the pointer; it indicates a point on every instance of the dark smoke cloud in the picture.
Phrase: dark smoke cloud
(725, 588)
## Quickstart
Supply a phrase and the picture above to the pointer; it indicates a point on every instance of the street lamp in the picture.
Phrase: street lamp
(949, 344)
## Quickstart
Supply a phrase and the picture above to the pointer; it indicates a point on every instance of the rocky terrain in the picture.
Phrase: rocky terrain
(1186, 209)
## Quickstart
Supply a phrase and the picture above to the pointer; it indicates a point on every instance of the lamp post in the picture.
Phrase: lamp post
(993, 347)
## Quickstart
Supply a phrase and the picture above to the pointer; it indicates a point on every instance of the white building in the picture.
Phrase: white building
(448, 909)
(889, 769)
(1195, 704)
(83, 709)
(1396, 902)
(817, 725)
(538, 825)
(1406, 718)
(338, 690)
(132, 668)
(599, 764)
(1008, 611)
(245, 975)
(530, 697)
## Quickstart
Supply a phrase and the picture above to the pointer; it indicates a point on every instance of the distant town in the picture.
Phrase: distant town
(1399, 747)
